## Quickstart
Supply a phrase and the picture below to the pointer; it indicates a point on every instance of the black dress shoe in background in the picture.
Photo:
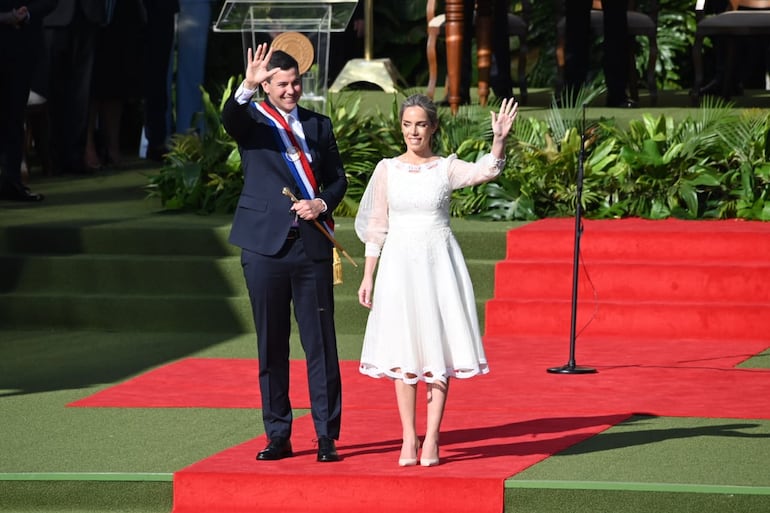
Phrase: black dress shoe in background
(13, 192)
(625, 103)
(277, 449)
(157, 153)
(327, 450)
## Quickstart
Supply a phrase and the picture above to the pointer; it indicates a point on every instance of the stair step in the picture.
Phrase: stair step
(210, 313)
(94, 274)
(645, 281)
(655, 320)
(641, 239)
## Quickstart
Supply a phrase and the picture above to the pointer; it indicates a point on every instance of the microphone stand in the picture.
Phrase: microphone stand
(571, 367)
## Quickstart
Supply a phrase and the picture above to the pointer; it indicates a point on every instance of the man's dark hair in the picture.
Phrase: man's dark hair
(283, 60)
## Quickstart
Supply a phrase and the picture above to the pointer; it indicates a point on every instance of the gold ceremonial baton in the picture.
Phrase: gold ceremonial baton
(287, 192)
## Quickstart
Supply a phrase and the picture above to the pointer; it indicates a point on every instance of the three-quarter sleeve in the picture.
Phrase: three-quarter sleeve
(372, 219)
(464, 174)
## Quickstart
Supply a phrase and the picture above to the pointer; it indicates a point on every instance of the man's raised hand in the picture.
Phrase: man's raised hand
(256, 66)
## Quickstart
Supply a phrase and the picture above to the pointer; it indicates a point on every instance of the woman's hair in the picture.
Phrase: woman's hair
(425, 103)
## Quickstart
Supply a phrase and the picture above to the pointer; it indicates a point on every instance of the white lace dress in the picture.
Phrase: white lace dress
(423, 320)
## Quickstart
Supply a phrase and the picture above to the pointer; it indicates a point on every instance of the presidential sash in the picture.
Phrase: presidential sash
(293, 155)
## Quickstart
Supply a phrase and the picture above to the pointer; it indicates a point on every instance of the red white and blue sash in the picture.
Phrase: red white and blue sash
(293, 155)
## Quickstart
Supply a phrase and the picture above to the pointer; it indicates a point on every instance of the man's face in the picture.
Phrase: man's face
(284, 89)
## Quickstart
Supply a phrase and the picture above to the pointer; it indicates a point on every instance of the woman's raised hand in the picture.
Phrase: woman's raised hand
(503, 121)
(256, 66)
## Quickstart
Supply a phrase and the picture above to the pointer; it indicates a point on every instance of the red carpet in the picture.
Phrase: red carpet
(683, 378)
(672, 308)
(478, 452)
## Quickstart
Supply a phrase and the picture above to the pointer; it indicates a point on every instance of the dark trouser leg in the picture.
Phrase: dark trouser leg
(268, 282)
(615, 50)
(577, 41)
(17, 49)
(312, 285)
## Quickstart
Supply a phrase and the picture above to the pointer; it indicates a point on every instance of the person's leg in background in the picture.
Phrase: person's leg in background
(615, 49)
(192, 30)
(577, 14)
(159, 40)
(19, 48)
(501, 82)
(71, 53)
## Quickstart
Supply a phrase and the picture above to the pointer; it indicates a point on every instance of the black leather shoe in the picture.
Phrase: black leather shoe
(157, 153)
(326, 450)
(278, 449)
(18, 193)
(625, 103)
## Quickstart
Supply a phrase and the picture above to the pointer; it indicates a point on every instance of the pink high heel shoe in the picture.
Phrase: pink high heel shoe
(429, 462)
(410, 462)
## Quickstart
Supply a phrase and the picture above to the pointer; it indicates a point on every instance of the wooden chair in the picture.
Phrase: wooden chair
(640, 24)
(744, 18)
(518, 26)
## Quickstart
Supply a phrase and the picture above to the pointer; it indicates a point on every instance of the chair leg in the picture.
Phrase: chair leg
(432, 63)
(523, 49)
(730, 78)
(633, 86)
(697, 62)
(652, 83)
(560, 63)
(484, 48)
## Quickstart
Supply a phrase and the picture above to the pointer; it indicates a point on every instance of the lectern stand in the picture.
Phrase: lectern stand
(380, 72)
(262, 20)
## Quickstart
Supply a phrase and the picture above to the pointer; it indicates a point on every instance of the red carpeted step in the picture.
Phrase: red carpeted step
(639, 278)
(641, 239)
(648, 280)
(629, 319)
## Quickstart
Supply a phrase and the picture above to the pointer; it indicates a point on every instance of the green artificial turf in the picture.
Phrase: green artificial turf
(673, 450)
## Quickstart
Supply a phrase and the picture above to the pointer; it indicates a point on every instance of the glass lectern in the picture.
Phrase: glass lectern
(262, 20)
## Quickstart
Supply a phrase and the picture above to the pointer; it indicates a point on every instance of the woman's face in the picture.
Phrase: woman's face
(417, 130)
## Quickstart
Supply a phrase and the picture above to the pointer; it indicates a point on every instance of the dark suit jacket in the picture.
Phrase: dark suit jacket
(263, 217)
(94, 11)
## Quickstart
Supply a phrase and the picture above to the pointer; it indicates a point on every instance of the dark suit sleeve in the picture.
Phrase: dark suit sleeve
(237, 120)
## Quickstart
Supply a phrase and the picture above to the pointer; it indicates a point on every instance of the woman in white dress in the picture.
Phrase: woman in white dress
(423, 324)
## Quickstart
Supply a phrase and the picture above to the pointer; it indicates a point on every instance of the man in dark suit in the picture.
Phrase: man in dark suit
(21, 38)
(615, 47)
(70, 33)
(285, 257)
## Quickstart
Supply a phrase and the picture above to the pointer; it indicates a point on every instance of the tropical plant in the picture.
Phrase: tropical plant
(668, 168)
(713, 163)
(747, 178)
(362, 142)
(202, 171)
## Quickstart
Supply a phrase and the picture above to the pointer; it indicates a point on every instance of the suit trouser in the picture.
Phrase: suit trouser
(615, 47)
(192, 35)
(160, 39)
(274, 283)
(19, 51)
(70, 51)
